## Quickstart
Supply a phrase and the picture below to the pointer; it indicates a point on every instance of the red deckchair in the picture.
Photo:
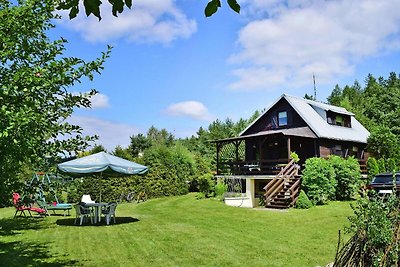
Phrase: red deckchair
(21, 208)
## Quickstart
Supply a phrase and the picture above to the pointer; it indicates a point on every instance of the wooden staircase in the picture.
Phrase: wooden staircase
(282, 191)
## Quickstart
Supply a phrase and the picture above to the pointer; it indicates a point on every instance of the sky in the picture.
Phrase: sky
(173, 68)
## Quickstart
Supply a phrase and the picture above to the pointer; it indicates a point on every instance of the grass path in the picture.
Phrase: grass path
(177, 231)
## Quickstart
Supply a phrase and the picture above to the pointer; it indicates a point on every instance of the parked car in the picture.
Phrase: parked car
(383, 183)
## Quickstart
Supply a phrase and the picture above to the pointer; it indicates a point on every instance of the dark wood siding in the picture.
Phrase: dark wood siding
(269, 120)
(341, 148)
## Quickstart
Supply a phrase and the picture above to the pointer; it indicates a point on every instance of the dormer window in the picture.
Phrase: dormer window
(282, 118)
(334, 118)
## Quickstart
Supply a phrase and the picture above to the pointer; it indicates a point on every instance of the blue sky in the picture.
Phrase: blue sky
(173, 68)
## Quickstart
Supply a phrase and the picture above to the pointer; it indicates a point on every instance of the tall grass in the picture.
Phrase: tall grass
(177, 231)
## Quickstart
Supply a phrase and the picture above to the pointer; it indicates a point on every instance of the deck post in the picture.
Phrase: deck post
(288, 147)
(218, 147)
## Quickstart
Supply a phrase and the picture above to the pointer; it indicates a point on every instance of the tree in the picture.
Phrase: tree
(376, 106)
(336, 96)
(309, 97)
(123, 153)
(382, 143)
(162, 136)
(93, 7)
(34, 100)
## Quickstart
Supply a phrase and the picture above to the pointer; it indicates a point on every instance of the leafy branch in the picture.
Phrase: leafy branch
(93, 7)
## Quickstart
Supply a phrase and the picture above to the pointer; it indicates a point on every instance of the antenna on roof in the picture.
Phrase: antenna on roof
(315, 88)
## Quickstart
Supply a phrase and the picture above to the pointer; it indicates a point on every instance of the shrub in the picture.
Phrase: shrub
(319, 180)
(303, 202)
(347, 175)
(294, 156)
(200, 195)
(375, 230)
(220, 189)
(391, 165)
(381, 165)
(206, 184)
(373, 168)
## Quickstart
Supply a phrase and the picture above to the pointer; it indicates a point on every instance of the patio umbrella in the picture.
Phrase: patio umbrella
(102, 163)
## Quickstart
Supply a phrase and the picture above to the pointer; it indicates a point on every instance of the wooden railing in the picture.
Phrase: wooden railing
(294, 192)
(276, 188)
(272, 189)
(252, 167)
(289, 170)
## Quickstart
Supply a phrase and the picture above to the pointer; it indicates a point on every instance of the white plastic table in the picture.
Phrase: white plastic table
(97, 210)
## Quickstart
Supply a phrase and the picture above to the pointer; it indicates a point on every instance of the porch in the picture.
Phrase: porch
(272, 191)
(264, 153)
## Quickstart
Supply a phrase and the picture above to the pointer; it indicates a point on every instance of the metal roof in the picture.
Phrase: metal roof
(314, 114)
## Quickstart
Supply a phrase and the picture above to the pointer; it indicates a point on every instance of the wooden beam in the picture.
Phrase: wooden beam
(316, 148)
(218, 148)
(288, 147)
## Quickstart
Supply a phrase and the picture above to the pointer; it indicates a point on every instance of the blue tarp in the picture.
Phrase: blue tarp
(101, 162)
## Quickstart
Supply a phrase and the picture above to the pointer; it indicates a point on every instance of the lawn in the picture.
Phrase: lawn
(177, 231)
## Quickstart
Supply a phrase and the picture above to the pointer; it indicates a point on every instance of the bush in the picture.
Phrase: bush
(220, 189)
(372, 167)
(319, 180)
(200, 195)
(391, 165)
(347, 175)
(303, 202)
(381, 165)
(206, 184)
(375, 230)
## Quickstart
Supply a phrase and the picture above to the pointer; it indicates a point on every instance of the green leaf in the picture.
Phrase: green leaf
(128, 3)
(234, 5)
(73, 12)
(92, 7)
(212, 7)
(117, 6)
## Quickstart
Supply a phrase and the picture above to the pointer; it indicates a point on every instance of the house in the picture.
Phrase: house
(258, 164)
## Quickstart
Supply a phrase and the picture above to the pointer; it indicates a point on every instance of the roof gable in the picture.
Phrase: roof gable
(314, 115)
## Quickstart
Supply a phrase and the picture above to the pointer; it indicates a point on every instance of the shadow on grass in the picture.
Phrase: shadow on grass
(119, 220)
(29, 254)
(10, 226)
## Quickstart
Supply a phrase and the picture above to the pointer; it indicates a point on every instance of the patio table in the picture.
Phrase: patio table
(97, 210)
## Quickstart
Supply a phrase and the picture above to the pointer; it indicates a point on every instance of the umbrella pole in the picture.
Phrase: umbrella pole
(101, 185)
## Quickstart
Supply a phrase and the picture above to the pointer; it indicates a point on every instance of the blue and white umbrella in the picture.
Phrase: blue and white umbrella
(101, 162)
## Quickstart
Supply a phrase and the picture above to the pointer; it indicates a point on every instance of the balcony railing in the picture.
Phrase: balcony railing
(253, 167)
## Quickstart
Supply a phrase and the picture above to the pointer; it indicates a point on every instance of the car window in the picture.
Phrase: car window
(385, 179)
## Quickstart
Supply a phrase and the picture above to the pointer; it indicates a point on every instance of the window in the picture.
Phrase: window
(338, 119)
(282, 118)
(337, 150)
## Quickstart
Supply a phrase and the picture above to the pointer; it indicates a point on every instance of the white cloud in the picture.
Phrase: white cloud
(99, 101)
(110, 133)
(299, 38)
(147, 21)
(192, 109)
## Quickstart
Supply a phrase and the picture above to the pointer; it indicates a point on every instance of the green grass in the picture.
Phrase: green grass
(177, 231)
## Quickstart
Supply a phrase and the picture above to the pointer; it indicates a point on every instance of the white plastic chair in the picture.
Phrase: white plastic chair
(83, 213)
(87, 199)
(109, 211)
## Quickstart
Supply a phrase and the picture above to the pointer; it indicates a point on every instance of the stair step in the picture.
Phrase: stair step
(277, 206)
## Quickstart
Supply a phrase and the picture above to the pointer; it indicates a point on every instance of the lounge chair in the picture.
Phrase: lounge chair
(21, 208)
(83, 213)
(109, 211)
(65, 207)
